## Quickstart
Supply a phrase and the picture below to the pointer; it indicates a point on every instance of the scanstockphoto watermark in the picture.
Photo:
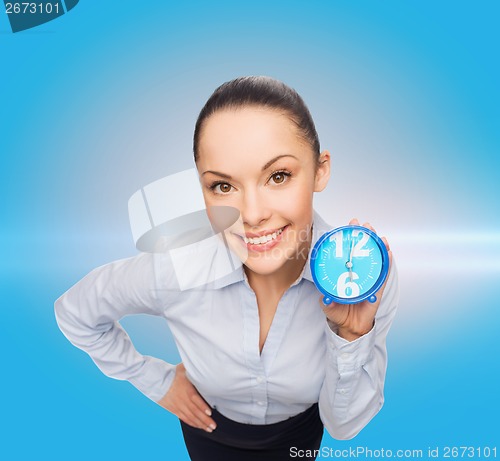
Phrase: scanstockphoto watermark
(356, 452)
(363, 452)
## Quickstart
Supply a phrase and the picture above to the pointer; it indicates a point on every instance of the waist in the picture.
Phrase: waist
(303, 426)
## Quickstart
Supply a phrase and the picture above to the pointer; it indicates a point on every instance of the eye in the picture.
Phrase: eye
(279, 177)
(221, 188)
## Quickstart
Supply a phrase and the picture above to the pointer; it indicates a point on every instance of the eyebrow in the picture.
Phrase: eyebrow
(264, 168)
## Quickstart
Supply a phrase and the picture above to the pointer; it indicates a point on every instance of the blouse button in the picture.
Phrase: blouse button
(260, 379)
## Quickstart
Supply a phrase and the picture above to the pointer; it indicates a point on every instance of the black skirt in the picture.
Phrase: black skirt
(233, 441)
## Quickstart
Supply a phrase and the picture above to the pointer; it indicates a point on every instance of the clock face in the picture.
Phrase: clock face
(349, 264)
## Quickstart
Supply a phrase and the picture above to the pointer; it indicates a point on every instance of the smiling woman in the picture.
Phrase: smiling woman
(265, 365)
(253, 159)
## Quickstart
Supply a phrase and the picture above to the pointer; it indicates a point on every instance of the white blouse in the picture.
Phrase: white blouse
(216, 329)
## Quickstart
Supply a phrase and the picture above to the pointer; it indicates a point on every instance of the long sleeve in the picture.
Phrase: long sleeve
(353, 389)
(88, 315)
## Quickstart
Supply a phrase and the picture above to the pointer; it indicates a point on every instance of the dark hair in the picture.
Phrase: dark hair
(259, 91)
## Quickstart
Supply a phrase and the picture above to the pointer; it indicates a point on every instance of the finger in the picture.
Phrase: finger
(205, 421)
(380, 292)
(369, 226)
(202, 411)
(186, 418)
(192, 415)
(198, 400)
(354, 222)
(386, 243)
(337, 313)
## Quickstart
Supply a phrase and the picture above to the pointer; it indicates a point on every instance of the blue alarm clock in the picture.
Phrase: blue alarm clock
(349, 264)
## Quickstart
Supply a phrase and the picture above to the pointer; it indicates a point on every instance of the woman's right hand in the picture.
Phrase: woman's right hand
(184, 401)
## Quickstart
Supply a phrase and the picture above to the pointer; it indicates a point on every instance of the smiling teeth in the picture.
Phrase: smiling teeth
(263, 239)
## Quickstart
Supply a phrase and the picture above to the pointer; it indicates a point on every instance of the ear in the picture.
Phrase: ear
(322, 171)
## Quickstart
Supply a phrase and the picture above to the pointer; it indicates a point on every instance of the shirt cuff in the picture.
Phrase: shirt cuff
(155, 378)
(351, 355)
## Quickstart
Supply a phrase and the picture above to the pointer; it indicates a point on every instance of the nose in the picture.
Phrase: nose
(255, 210)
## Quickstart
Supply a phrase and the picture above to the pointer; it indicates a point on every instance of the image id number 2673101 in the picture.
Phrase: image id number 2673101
(32, 8)
(466, 452)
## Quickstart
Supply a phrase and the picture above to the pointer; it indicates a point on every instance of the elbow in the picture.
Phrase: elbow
(343, 432)
(346, 427)
(58, 311)
(346, 435)
(60, 314)
(65, 319)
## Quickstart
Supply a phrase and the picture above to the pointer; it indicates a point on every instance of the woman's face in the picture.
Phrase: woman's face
(253, 159)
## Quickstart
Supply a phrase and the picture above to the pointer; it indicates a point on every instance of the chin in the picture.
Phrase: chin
(272, 262)
(264, 266)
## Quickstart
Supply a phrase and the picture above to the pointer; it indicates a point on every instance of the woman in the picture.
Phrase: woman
(264, 364)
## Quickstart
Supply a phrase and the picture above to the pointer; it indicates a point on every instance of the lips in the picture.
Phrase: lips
(264, 241)
(263, 238)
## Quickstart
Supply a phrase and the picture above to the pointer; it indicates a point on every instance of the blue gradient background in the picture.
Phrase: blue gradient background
(103, 101)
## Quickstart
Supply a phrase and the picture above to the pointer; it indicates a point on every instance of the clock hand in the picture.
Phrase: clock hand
(348, 264)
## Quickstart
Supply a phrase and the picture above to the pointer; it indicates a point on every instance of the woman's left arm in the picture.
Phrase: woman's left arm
(353, 390)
